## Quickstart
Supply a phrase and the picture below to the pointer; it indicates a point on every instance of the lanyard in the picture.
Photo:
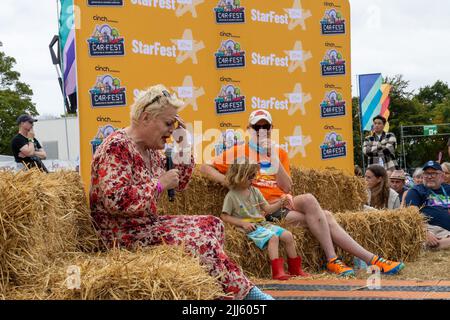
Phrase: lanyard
(445, 204)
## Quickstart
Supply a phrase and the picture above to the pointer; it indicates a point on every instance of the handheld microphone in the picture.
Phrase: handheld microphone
(169, 166)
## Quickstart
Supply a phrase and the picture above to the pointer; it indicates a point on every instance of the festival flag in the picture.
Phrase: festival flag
(370, 95)
(67, 47)
(385, 101)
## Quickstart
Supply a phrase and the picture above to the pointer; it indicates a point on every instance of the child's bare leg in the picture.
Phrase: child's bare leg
(288, 239)
(272, 248)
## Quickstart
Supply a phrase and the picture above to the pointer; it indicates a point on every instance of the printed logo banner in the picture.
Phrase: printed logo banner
(225, 59)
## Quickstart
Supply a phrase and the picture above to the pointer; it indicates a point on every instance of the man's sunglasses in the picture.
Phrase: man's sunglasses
(164, 93)
(266, 127)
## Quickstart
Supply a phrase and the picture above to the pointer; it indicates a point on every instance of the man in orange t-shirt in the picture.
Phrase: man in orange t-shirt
(274, 182)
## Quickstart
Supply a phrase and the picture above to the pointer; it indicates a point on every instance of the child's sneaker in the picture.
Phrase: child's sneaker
(338, 267)
(387, 266)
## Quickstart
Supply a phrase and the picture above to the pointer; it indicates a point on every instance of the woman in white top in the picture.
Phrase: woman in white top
(381, 195)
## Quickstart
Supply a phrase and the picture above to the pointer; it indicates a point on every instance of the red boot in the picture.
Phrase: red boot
(278, 270)
(295, 267)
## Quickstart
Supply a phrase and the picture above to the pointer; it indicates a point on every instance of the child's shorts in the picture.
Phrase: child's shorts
(263, 233)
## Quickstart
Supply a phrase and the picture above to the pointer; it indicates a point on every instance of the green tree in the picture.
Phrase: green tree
(15, 99)
(357, 147)
(429, 106)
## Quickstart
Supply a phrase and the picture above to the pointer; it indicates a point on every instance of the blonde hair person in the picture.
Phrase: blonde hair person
(446, 169)
(154, 101)
(128, 178)
(245, 207)
(381, 195)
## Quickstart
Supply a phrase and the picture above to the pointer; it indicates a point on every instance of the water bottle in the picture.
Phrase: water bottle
(380, 161)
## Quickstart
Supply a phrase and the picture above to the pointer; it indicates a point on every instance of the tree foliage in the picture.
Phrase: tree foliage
(430, 105)
(15, 99)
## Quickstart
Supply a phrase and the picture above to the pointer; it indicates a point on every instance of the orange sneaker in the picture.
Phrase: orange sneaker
(338, 267)
(387, 266)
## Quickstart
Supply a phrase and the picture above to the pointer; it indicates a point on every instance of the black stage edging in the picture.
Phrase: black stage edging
(170, 310)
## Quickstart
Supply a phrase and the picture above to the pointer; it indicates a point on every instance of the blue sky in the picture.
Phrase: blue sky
(408, 37)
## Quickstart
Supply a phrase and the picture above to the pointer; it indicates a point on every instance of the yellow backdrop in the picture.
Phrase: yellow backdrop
(225, 58)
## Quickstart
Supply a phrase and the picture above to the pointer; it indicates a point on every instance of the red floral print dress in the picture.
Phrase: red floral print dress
(123, 200)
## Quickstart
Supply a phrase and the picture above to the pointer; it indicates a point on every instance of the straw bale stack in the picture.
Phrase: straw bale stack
(393, 234)
(335, 190)
(42, 216)
(156, 273)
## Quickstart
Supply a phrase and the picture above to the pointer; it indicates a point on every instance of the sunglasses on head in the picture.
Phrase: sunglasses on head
(164, 93)
(266, 127)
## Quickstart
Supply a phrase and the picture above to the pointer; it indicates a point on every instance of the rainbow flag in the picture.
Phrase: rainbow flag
(370, 95)
(67, 46)
(385, 101)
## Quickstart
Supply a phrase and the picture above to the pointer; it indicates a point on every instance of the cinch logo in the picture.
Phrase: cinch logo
(230, 55)
(333, 147)
(333, 64)
(102, 134)
(332, 106)
(230, 100)
(333, 23)
(107, 92)
(106, 119)
(230, 11)
(106, 41)
(105, 3)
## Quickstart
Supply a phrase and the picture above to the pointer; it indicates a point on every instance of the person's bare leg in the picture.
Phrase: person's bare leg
(288, 240)
(309, 212)
(342, 239)
(444, 243)
(272, 248)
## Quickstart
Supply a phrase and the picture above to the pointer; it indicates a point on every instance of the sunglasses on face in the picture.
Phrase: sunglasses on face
(266, 127)
(164, 93)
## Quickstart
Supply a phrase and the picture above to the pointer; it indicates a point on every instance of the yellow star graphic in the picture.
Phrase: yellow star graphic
(191, 54)
(305, 14)
(306, 55)
(197, 93)
(299, 149)
(294, 107)
(184, 8)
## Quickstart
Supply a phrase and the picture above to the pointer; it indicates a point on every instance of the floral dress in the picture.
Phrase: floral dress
(123, 200)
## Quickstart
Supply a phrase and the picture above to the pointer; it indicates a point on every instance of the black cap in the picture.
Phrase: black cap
(432, 164)
(25, 118)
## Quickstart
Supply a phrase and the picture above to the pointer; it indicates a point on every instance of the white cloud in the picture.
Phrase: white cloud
(406, 37)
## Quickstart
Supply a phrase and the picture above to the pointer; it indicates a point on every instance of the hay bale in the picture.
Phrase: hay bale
(156, 273)
(42, 216)
(336, 191)
(394, 234)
